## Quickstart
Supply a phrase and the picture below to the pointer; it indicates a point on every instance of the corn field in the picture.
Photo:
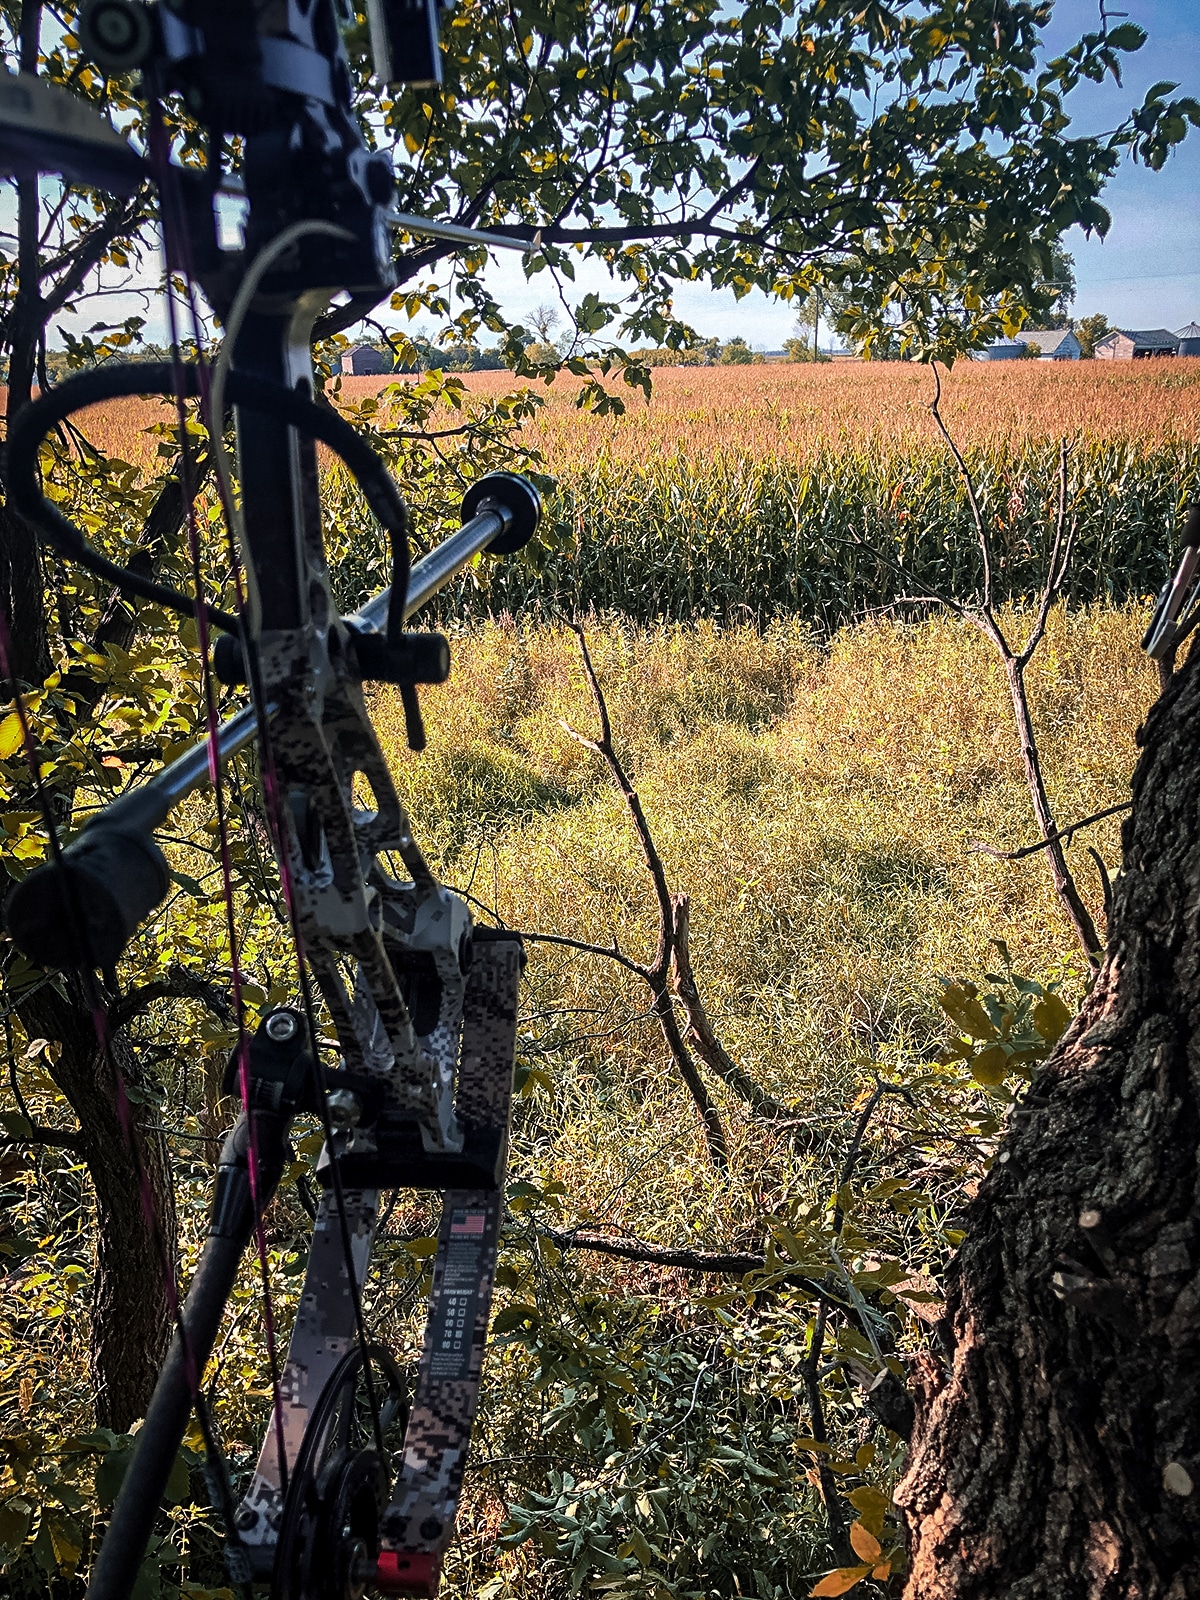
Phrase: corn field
(743, 494)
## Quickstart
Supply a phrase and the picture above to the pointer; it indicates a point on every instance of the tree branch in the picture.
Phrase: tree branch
(703, 1038)
(985, 547)
(655, 974)
(734, 1263)
(610, 951)
(1060, 836)
(1060, 559)
(179, 985)
(52, 1138)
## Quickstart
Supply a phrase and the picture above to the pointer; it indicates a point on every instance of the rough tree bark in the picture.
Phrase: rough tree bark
(130, 1316)
(1059, 1454)
(130, 1313)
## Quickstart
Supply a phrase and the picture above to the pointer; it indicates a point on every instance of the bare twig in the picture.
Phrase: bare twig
(982, 614)
(670, 975)
(1060, 558)
(655, 974)
(603, 747)
(981, 533)
(612, 952)
(1060, 836)
(834, 1504)
(703, 1038)
(1105, 883)
(734, 1264)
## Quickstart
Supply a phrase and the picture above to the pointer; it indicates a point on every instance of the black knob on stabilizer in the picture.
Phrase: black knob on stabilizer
(520, 499)
(83, 911)
(116, 33)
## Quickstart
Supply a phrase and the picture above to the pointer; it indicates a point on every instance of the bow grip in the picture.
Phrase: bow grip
(82, 909)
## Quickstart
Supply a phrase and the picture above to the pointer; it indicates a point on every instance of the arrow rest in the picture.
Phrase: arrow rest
(358, 1480)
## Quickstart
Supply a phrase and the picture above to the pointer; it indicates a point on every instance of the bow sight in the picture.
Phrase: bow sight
(358, 1480)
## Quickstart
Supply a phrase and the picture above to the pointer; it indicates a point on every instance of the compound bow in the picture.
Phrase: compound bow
(357, 1484)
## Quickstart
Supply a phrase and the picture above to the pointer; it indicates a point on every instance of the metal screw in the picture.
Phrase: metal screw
(345, 1108)
(281, 1026)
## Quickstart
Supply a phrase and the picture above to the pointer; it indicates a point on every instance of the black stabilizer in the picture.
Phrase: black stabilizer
(514, 494)
(120, 1559)
(82, 910)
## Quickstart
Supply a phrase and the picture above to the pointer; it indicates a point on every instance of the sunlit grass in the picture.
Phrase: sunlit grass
(819, 805)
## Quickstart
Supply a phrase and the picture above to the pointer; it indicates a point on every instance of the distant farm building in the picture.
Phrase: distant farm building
(1002, 350)
(364, 360)
(1189, 340)
(1053, 344)
(1135, 344)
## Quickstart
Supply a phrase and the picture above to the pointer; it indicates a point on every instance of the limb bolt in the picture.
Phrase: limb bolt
(345, 1108)
(1177, 1479)
(281, 1026)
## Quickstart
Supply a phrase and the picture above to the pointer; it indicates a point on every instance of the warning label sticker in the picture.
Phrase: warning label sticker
(457, 1304)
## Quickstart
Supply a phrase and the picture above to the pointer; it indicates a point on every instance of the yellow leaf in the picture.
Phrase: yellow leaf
(883, 1570)
(865, 1544)
(1050, 1015)
(872, 1507)
(961, 1006)
(990, 1066)
(839, 1582)
(10, 735)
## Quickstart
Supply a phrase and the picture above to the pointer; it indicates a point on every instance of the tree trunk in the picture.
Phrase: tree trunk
(22, 589)
(1060, 1453)
(130, 1313)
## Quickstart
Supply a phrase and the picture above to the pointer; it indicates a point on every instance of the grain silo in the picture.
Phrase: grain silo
(1189, 340)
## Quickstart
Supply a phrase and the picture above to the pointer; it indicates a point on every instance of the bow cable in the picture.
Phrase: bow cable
(213, 403)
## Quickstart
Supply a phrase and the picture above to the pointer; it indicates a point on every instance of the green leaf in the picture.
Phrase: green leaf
(961, 1004)
(1128, 36)
(16, 1516)
(1051, 1017)
(179, 1481)
(514, 1317)
(110, 1474)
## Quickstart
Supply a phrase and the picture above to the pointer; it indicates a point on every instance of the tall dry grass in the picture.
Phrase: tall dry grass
(819, 804)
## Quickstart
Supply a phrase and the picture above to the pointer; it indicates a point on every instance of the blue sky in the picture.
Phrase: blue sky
(1146, 273)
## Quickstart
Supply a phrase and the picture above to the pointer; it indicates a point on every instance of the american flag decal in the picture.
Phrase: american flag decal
(464, 1224)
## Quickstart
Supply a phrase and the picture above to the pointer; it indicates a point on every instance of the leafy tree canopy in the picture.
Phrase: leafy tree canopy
(917, 157)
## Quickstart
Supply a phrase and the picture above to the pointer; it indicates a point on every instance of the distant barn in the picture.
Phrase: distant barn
(1053, 344)
(1189, 340)
(363, 360)
(1135, 344)
(1002, 350)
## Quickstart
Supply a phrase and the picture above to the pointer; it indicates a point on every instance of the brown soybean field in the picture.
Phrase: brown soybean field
(783, 409)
